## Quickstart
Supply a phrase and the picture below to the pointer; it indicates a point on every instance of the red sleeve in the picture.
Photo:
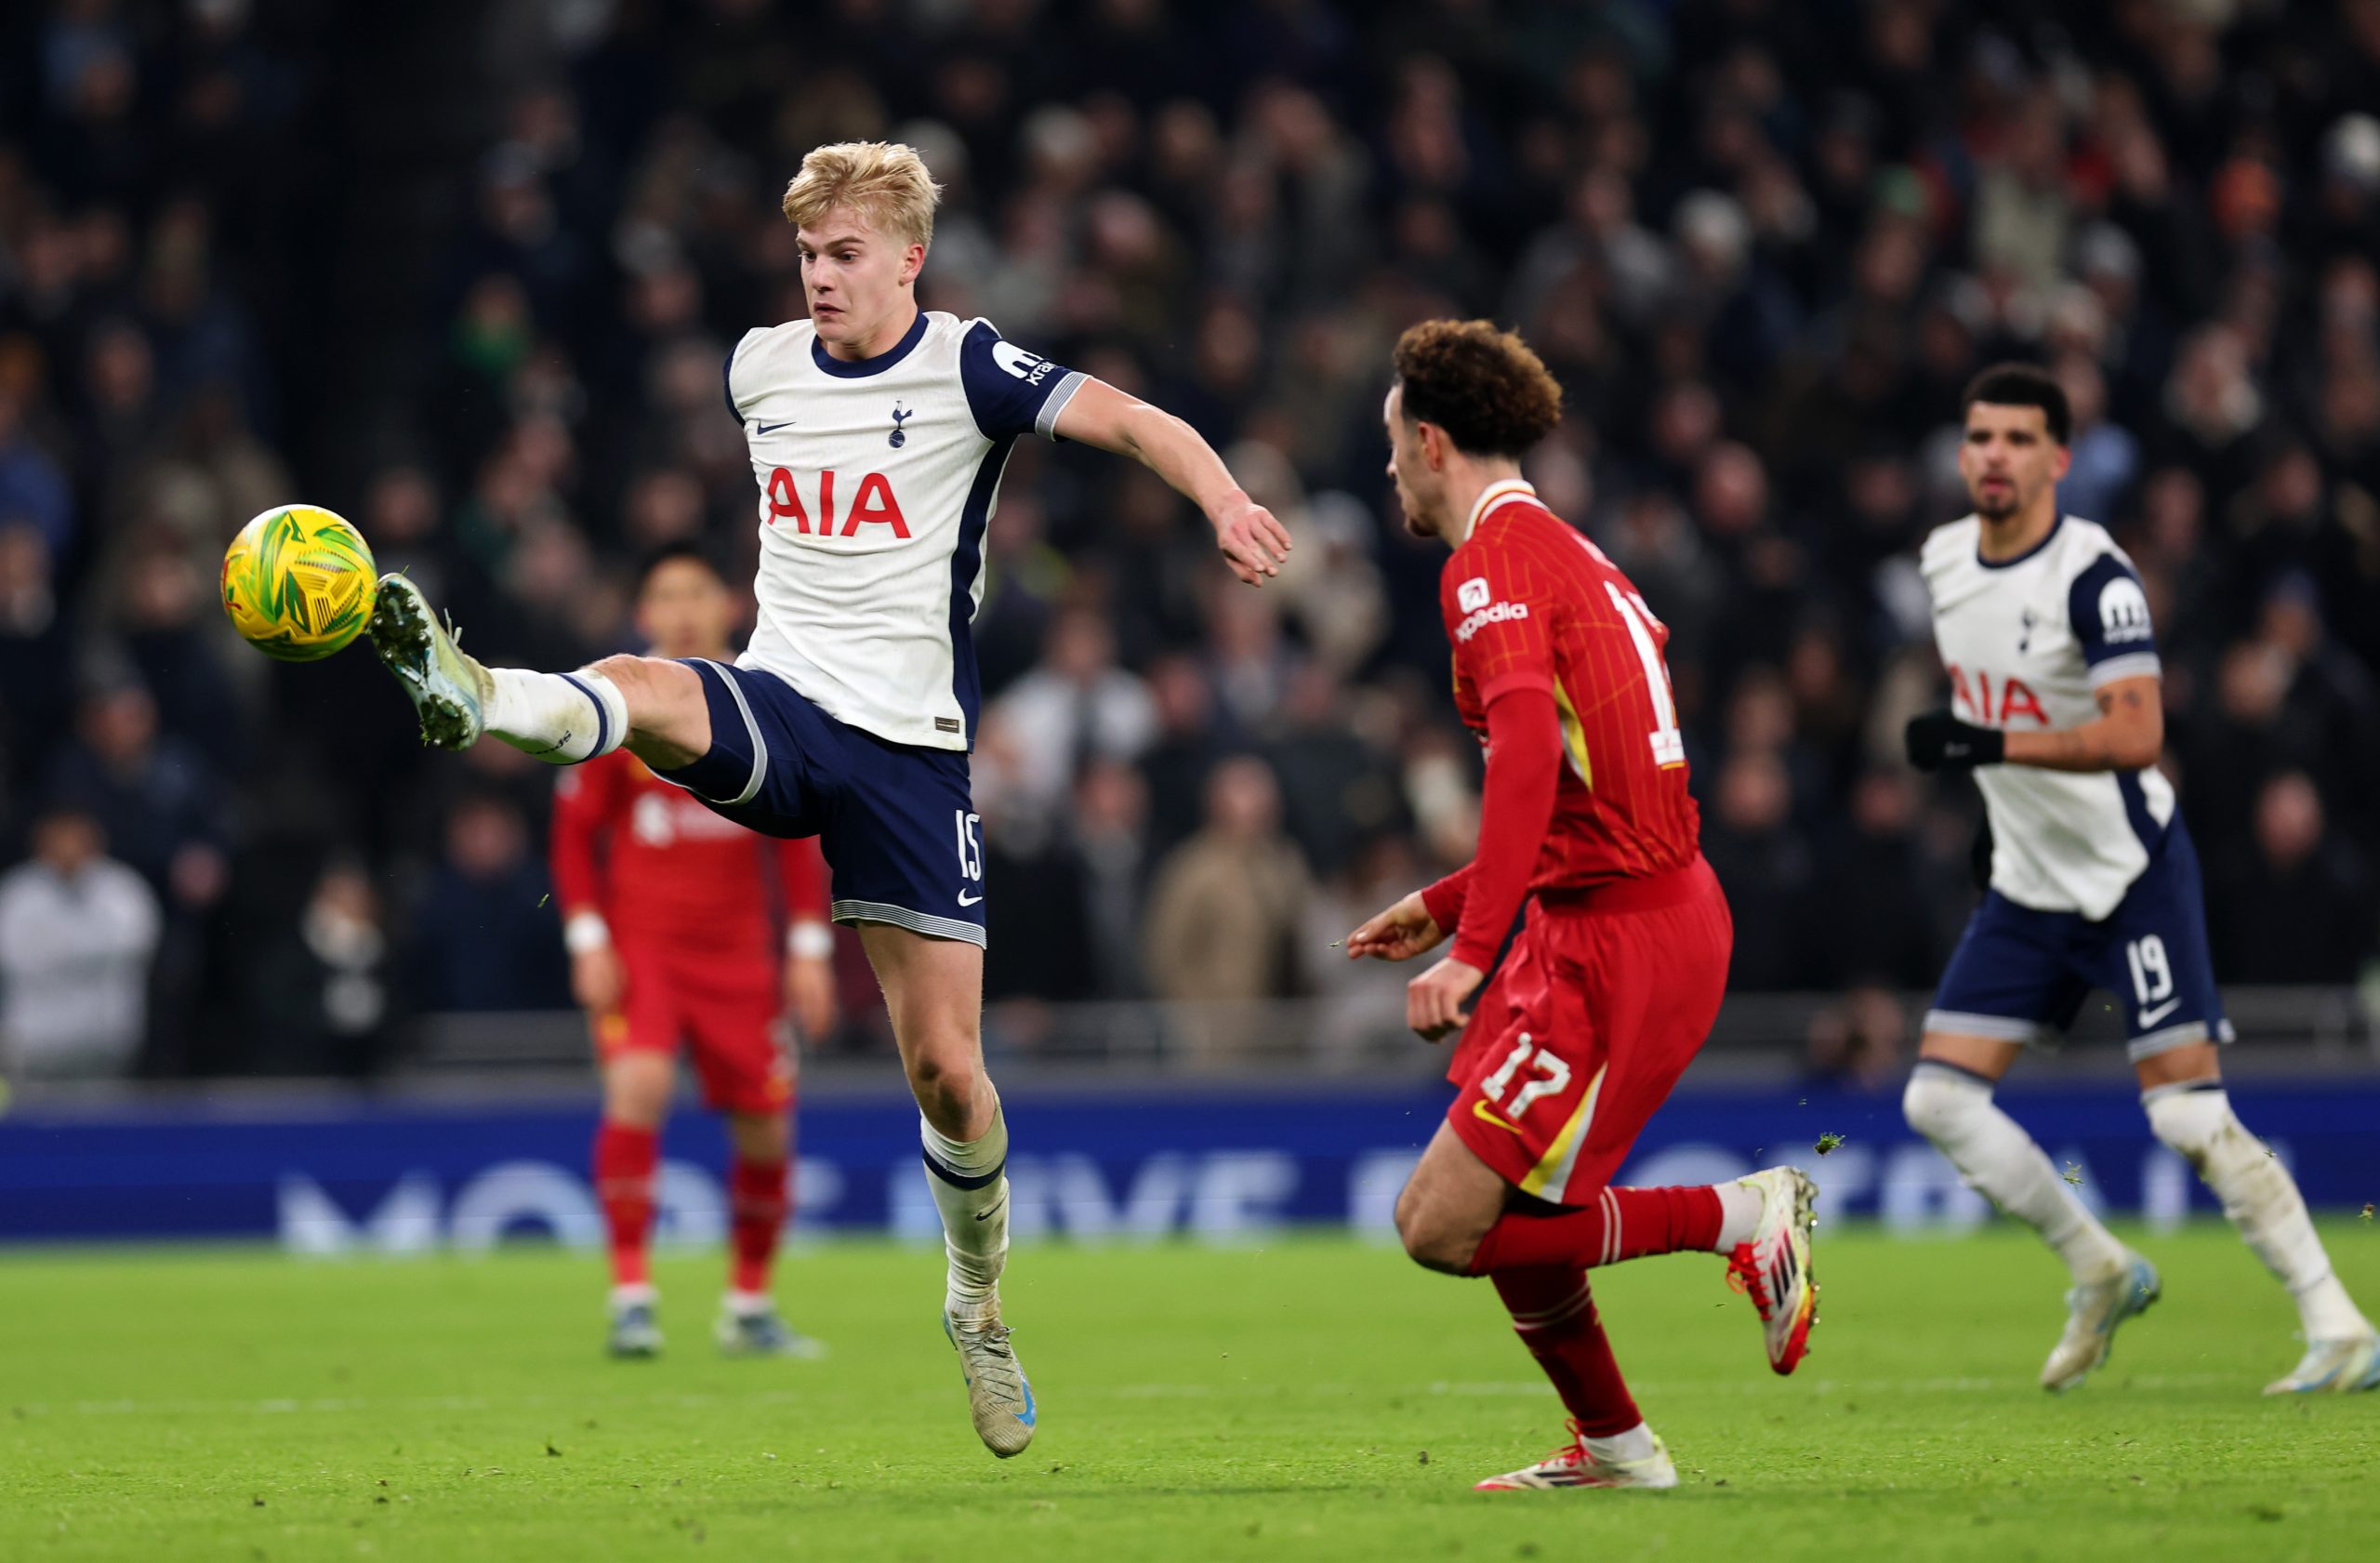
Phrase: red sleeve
(801, 870)
(585, 798)
(1444, 900)
(1515, 807)
(1500, 606)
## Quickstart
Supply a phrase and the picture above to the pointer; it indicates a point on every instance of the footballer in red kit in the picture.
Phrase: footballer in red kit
(1607, 992)
(672, 915)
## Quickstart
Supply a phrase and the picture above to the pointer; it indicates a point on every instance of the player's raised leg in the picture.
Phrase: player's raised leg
(933, 991)
(628, 1153)
(2189, 1111)
(651, 705)
(1949, 1101)
(758, 1196)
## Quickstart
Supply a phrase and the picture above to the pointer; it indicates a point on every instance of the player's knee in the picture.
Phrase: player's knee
(2193, 1119)
(946, 1082)
(1430, 1240)
(1940, 1103)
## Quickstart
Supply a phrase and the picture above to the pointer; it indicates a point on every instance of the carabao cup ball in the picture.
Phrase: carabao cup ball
(299, 583)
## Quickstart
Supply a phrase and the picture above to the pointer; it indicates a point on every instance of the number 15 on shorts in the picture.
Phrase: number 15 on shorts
(971, 852)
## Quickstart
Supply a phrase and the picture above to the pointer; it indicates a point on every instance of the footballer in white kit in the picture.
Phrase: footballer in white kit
(878, 432)
(2046, 635)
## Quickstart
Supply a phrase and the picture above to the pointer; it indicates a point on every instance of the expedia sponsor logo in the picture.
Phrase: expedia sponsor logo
(1473, 594)
(1494, 613)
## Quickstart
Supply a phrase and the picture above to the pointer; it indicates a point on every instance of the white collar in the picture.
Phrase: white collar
(1492, 496)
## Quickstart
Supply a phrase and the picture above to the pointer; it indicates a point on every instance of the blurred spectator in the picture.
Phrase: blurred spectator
(1228, 905)
(1857, 1043)
(324, 991)
(151, 794)
(1765, 869)
(1074, 706)
(2294, 904)
(78, 930)
(483, 937)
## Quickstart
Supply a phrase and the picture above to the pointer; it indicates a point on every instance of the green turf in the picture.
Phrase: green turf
(1305, 1399)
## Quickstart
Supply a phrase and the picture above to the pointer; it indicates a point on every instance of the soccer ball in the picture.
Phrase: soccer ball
(299, 583)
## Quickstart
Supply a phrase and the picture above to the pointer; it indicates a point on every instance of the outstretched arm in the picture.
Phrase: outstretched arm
(1253, 544)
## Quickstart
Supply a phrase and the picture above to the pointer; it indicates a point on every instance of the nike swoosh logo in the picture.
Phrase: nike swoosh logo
(1480, 1111)
(770, 428)
(2150, 1017)
(967, 900)
(986, 1215)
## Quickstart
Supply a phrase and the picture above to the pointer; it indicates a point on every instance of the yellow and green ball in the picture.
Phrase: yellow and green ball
(299, 583)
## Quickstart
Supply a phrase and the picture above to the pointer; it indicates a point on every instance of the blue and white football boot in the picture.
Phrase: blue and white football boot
(2093, 1311)
(761, 1331)
(2347, 1367)
(998, 1394)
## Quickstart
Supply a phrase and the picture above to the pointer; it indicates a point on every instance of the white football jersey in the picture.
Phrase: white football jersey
(878, 478)
(2028, 642)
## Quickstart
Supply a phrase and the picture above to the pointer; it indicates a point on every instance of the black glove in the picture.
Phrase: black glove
(1939, 741)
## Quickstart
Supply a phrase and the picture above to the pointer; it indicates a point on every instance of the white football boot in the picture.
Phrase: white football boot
(2093, 1311)
(1774, 1268)
(1571, 1465)
(449, 691)
(2332, 1368)
(998, 1394)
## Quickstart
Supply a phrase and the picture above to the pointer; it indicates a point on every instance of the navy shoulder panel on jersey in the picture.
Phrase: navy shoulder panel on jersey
(2108, 611)
(727, 383)
(1010, 391)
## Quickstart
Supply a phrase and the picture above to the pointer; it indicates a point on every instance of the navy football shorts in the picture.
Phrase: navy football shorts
(2020, 975)
(898, 823)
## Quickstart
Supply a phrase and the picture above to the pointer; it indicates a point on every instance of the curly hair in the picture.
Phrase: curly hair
(885, 182)
(1483, 386)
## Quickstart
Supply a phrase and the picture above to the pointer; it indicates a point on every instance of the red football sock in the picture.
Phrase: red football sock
(1554, 1316)
(758, 1194)
(625, 1160)
(1618, 1223)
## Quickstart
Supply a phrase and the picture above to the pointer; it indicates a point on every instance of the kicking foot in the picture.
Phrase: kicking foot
(1571, 1465)
(636, 1332)
(2332, 1368)
(2093, 1311)
(998, 1394)
(1774, 1268)
(762, 1332)
(449, 691)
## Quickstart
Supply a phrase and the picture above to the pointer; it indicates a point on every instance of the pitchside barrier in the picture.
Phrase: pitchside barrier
(1106, 1161)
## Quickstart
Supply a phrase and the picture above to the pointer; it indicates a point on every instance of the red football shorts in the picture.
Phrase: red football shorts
(1602, 1003)
(724, 1011)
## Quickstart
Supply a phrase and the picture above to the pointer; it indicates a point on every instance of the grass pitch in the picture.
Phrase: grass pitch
(1307, 1400)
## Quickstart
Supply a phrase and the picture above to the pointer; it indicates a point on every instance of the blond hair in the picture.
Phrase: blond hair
(884, 181)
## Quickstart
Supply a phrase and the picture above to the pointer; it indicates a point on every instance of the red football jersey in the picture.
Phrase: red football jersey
(659, 866)
(1531, 603)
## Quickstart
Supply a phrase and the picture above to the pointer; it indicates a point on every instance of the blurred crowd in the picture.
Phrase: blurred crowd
(1761, 243)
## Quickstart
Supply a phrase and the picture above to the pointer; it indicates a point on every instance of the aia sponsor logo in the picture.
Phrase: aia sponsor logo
(1996, 704)
(873, 503)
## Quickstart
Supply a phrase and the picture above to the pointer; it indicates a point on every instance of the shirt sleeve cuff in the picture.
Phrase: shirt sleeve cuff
(2136, 665)
(1045, 422)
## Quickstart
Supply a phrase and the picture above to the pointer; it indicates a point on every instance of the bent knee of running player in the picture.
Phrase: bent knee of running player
(1449, 1204)
(668, 713)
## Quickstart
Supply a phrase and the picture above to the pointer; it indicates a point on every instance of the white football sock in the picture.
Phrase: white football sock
(1739, 1211)
(2000, 1160)
(970, 1185)
(559, 718)
(2261, 1199)
(1634, 1444)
